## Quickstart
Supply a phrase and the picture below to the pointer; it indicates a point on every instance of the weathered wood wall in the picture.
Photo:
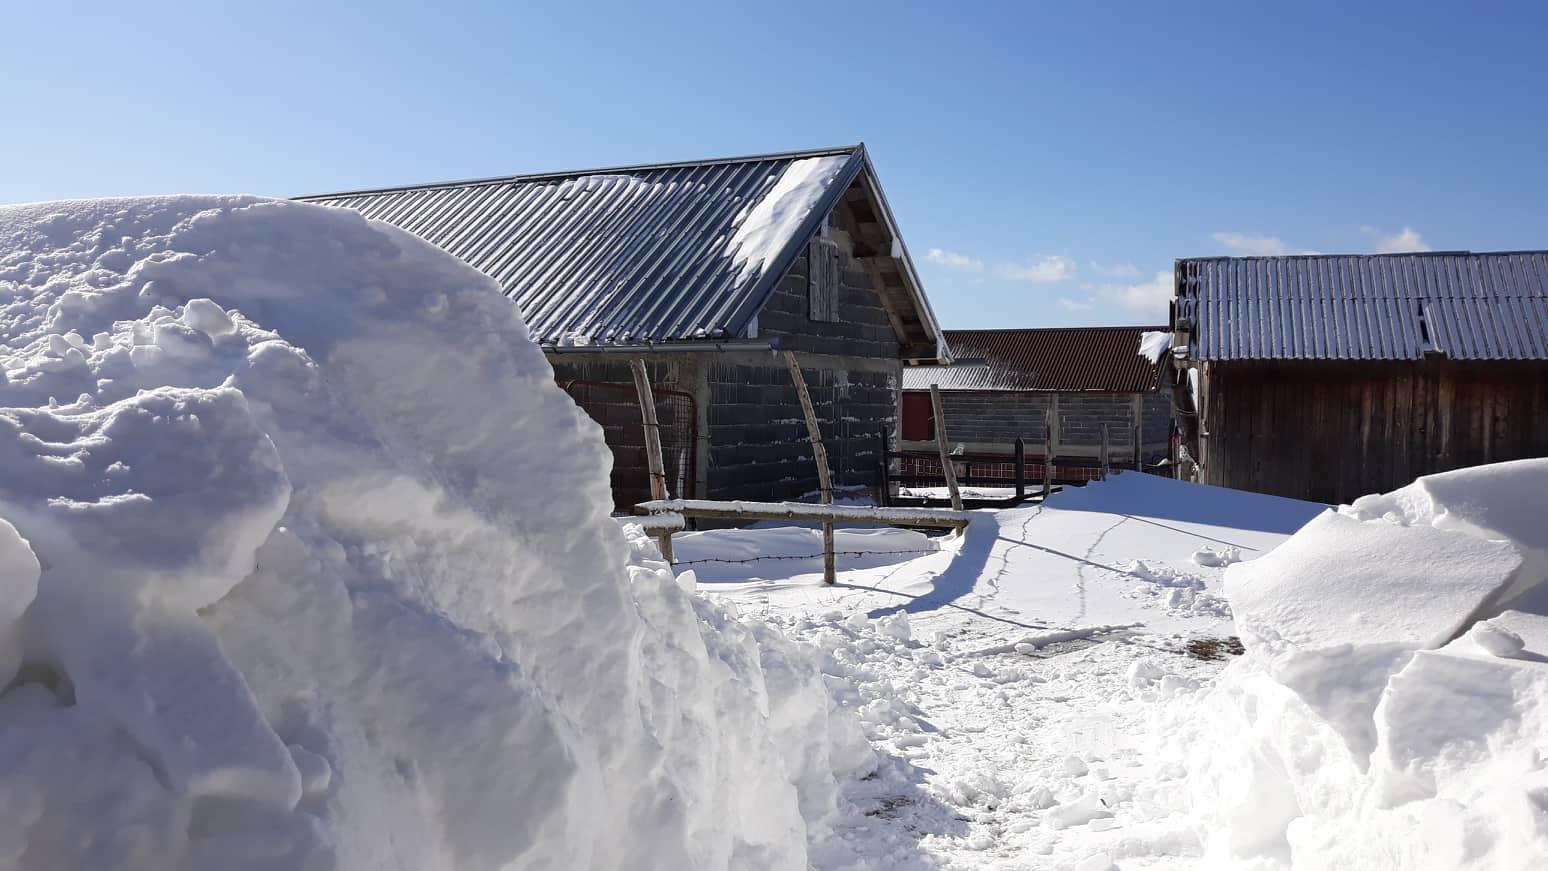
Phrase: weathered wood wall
(1333, 431)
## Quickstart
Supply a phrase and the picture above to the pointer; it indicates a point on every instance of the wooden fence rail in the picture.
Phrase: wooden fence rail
(665, 516)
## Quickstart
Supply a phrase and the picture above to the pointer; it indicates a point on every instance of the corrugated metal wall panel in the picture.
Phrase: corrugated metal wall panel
(1368, 307)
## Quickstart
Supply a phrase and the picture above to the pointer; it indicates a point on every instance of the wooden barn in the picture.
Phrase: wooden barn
(708, 271)
(1328, 377)
(1058, 388)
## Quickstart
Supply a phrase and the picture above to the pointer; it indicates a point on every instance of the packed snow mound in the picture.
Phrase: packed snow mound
(1391, 710)
(307, 564)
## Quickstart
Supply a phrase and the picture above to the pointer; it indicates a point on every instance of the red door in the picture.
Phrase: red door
(918, 418)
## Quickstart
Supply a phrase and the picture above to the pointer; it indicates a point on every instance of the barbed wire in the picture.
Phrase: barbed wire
(814, 556)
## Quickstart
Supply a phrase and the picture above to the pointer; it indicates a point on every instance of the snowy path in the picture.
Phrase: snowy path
(1010, 675)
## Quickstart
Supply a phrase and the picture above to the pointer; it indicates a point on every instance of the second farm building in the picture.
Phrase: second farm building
(1061, 390)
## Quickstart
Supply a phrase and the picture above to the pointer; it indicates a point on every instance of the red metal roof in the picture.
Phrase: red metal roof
(1059, 359)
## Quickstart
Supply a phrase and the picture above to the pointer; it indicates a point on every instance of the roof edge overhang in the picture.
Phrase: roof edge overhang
(910, 275)
(667, 347)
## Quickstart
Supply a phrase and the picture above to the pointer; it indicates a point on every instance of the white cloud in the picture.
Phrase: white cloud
(1115, 270)
(1147, 297)
(1044, 269)
(1077, 305)
(953, 260)
(1253, 246)
(1408, 239)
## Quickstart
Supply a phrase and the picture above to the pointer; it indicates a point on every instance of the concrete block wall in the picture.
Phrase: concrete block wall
(998, 418)
(1083, 415)
(862, 330)
(757, 431)
(616, 408)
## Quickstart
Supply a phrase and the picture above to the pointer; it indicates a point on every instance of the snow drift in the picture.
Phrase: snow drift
(306, 564)
(1391, 710)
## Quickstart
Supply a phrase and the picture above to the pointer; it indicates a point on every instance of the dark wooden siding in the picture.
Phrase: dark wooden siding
(1331, 431)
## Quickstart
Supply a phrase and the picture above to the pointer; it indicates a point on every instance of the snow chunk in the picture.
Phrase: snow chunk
(1499, 501)
(1382, 718)
(19, 572)
(896, 626)
(1396, 586)
(1397, 589)
(208, 318)
(1496, 640)
(1211, 558)
(1153, 344)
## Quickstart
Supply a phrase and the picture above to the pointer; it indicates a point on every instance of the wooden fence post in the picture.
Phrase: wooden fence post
(820, 454)
(884, 470)
(940, 448)
(1021, 469)
(1048, 459)
(1139, 463)
(1102, 457)
(658, 488)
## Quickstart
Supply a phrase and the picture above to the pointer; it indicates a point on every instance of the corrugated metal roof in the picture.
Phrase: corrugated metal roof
(629, 255)
(1366, 307)
(1058, 359)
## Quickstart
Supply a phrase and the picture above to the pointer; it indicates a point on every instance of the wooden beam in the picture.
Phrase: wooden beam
(889, 306)
(1048, 451)
(820, 454)
(658, 488)
(921, 518)
(940, 447)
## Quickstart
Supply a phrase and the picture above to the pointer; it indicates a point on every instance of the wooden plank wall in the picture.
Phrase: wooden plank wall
(1333, 431)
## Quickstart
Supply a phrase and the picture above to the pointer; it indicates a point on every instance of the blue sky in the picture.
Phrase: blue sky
(1046, 162)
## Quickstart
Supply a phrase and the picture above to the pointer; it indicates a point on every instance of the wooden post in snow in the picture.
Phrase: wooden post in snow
(947, 470)
(1139, 463)
(658, 487)
(1102, 457)
(1021, 469)
(820, 454)
(883, 470)
(1048, 459)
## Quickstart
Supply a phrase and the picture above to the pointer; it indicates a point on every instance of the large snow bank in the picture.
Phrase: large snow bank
(1391, 710)
(305, 563)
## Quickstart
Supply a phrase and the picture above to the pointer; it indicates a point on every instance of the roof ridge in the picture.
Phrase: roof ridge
(1457, 253)
(579, 173)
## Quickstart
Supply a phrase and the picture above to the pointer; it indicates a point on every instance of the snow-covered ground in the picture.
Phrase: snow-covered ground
(1060, 687)
(1011, 675)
